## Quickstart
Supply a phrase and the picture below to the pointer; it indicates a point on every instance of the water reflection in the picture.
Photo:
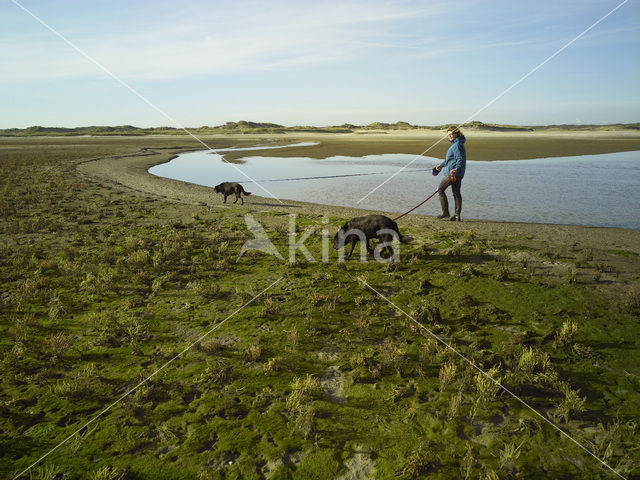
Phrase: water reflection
(265, 147)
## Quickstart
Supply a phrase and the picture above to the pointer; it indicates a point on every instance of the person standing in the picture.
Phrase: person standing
(453, 169)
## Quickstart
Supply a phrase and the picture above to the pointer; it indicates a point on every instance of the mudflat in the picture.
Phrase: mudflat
(107, 273)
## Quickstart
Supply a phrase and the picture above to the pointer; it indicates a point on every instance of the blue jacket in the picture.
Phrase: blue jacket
(456, 158)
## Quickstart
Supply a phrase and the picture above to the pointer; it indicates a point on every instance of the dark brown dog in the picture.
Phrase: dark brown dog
(366, 228)
(228, 188)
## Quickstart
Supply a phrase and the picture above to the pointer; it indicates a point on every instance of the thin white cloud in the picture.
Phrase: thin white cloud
(212, 41)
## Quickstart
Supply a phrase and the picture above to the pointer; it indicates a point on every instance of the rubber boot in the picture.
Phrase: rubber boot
(456, 217)
(444, 203)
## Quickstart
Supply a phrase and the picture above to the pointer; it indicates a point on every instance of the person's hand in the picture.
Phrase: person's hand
(439, 168)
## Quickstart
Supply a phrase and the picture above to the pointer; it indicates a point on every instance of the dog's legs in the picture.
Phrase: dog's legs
(387, 239)
(353, 245)
(225, 199)
(369, 249)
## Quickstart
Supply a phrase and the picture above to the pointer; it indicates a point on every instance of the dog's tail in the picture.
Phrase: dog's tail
(244, 191)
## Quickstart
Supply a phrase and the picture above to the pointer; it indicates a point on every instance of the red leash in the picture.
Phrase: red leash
(451, 180)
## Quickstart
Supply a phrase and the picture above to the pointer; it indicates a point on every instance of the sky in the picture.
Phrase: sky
(196, 63)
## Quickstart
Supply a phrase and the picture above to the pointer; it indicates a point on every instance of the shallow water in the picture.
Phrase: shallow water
(596, 190)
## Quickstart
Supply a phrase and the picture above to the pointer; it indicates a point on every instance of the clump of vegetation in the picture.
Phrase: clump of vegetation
(57, 344)
(427, 313)
(293, 338)
(502, 273)
(631, 302)
(206, 290)
(80, 385)
(508, 454)
(270, 307)
(487, 386)
(532, 360)
(571, 276)
(108, 472)
(572, 403)
(253, 353)
(533, 365)
(217, 372)
(210, 345)
(455, 402)
(420, 461)
(566, 334)
(299, 403)
(447, 375)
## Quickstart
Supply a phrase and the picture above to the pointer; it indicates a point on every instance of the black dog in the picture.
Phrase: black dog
(227, 188)
(365, 228)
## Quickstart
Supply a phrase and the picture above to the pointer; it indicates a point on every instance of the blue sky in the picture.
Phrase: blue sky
(318, 63)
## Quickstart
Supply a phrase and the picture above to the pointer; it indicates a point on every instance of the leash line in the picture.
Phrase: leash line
(450, 181)
(421, 203)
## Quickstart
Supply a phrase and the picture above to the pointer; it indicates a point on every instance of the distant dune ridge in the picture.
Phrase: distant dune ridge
(259, 127)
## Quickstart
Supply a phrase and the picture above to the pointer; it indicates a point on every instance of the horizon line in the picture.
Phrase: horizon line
(399, 123)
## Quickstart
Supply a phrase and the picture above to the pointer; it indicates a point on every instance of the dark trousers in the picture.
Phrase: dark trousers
(457, 198)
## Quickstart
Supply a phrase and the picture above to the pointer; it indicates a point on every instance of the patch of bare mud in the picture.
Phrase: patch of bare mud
(332, 385)
(359, 467)
(333, 382)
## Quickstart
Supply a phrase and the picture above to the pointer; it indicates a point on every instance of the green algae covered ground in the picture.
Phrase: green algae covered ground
(277, 369)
